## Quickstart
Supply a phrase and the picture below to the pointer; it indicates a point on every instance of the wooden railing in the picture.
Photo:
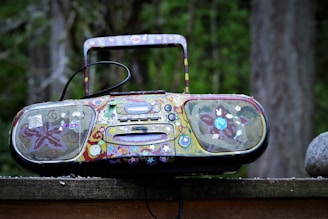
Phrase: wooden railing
(38, 197)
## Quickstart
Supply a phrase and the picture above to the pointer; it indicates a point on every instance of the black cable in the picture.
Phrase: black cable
(102, 91)
(147, 203)
(181, 199)
(179, 192)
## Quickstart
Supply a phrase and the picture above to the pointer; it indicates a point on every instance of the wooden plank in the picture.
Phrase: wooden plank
(35, 197)
(36, 188)
(230, 208)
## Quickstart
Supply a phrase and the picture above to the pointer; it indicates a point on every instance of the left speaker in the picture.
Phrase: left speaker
(52, 134)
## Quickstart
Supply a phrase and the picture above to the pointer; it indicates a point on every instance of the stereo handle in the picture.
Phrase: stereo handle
(139, 40)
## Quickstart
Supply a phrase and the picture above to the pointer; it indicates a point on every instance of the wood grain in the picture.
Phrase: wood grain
(125, 198)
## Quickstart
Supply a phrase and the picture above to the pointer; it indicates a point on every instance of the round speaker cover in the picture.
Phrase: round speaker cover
(228, 125)
(52, 132)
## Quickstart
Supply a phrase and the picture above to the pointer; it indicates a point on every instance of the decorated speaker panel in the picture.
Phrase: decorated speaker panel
(53, 132)
(226, 125)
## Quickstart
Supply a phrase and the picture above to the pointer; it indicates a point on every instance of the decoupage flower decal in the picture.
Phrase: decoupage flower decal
(222, 124)
(45, 135)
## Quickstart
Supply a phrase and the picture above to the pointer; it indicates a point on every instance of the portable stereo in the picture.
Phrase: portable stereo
(139, 132)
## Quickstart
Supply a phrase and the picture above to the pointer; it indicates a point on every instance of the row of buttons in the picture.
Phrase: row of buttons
(167, 107)
(138, 118)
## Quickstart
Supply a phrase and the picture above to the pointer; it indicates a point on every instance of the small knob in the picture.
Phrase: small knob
(168, 107)
(172, 117)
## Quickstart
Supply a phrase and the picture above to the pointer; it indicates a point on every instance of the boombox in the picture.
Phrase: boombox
(139, 132)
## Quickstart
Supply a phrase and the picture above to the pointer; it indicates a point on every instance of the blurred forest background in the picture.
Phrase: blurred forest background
(42, 41)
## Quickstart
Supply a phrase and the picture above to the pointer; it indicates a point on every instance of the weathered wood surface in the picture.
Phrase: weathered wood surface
(244, 208)
(35, 188)
(125, 198)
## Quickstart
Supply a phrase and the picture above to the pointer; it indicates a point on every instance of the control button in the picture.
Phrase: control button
(123, 119)
(168, 107)
(134, 118)
(154, 117)
(184, 141)
(143, 118)
(172, 117)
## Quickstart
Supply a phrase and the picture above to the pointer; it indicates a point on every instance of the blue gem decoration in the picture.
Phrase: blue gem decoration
(220, 123)
(184, 140)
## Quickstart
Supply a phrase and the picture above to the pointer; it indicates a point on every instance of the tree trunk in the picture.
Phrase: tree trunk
(282, 73)
(58, 46)
(48, 58)
(39, 62)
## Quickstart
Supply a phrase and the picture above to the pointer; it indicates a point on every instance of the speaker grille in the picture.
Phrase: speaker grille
(52, 133)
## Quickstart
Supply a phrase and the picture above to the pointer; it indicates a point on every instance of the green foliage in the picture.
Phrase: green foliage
(7, 165)
(13, 62)
(219, 52)
(321, 88)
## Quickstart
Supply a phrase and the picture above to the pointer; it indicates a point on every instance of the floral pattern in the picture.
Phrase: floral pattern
(46, 135)
(222, 124)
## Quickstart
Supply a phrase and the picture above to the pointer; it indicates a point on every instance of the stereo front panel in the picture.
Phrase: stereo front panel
(156, 125)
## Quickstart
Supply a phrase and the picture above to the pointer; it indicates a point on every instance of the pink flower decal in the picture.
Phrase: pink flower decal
(46, 135)
(222, 124)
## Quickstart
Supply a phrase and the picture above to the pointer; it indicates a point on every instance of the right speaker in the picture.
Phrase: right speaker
(231, 124)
